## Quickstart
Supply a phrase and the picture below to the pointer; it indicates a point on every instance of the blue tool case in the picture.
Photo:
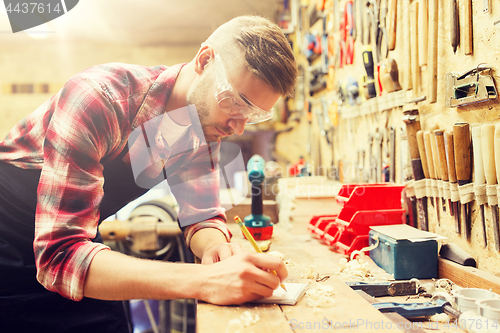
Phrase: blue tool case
(405, 252)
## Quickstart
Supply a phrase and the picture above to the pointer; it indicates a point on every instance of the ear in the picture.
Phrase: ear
(202, 59)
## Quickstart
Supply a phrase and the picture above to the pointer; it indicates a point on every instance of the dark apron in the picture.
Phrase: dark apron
(25, 305)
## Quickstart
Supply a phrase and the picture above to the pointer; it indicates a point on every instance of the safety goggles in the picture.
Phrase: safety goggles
(230, 101)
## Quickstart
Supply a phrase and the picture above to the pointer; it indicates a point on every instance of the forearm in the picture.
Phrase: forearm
(115, 276)
(205, 239)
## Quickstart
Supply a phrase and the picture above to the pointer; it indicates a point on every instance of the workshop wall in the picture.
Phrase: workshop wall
(343, 134)
(34, 70)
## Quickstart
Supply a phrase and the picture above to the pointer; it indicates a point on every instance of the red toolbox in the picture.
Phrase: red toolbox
(364, 205)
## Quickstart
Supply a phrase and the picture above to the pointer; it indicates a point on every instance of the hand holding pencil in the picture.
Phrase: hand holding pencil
(252, 241)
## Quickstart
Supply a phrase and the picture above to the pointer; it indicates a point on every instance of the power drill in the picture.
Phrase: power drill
(257, 223)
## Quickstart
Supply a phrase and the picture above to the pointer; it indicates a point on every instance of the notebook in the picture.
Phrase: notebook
(290, 297)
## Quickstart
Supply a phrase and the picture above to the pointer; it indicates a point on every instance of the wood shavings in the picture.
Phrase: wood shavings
(354, 269)
(248, 319)
(234, 326)
(289, 263)
(264, 245)
(238, 325)
(308, 272)
(321, 297)
(440, 317)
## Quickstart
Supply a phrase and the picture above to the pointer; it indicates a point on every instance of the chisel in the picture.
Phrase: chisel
(454, 29)
(412, 127)
(450, 161)
(438, 167)
(441, 150)
(479, 176)
(425, 163)
(494, 209)
(433, 50)
(461, 142)
(489, 162)
(437, 172)
(432, 173)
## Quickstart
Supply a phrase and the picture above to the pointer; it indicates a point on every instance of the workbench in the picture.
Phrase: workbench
(351, 311)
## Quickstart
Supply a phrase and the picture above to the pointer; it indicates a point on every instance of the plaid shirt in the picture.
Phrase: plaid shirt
(69, 138)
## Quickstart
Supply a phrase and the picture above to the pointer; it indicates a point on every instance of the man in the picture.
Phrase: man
(78, 158)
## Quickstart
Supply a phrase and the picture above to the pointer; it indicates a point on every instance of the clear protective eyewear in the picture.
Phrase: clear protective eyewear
(230, 101)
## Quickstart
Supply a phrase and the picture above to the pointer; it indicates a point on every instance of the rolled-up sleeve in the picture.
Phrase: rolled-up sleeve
(81, 131)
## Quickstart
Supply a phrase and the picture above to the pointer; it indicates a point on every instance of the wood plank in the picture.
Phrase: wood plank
(466, 276)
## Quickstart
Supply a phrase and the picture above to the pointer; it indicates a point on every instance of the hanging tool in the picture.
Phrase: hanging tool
(479, 177)
(422, 32)
(369, 67)
(386, 288)
(391, 24)
(441, 150)
(389, 75)
(347, 32)
(439, 177)
(412, 122)
(461, 139)
(467, 26)
(381, 32)
(425, 165)
(258, 224)
(473, 86)
(432, 188)
(490, 172)
(450, 160)
(494, 210)
(392, 170)
(415, 68)
(433, 50)
(454, 27)
(408, 45)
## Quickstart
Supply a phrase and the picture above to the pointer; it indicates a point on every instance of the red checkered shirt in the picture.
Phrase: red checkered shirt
(85, 124)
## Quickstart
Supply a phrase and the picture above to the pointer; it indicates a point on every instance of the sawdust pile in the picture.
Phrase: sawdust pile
(321, 296)
(237, 325)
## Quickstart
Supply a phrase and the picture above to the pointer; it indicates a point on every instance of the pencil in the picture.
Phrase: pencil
(249, 236)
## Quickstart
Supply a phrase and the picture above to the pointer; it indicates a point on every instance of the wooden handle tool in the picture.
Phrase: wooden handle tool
(479, 178)
(487, 146)
(450, 161)
(437, 170)
(421, 150)
(461, 134)
(454, 28)
(415, 68)
(467, 27)
(422, 32)
(441, 151)
(428, 152)
(391, 24)
(433, 48)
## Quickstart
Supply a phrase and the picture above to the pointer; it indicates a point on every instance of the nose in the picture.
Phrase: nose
(238, 125)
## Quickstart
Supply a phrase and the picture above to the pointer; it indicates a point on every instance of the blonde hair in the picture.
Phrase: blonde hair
(266, 50)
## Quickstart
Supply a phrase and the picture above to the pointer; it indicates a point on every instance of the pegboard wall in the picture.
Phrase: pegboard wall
(340, 131)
